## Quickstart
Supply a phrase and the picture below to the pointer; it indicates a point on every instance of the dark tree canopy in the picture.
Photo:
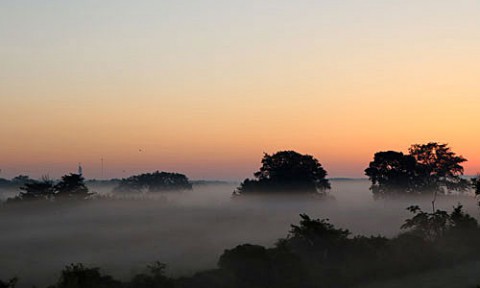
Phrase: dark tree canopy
(440, 165)
(392, 171)
(154, 182)
(315, 234)
(256, 266)
(315, 253)
(432, 226)
(287, 171)
(77, 275)
(71, 186)
(428, 167)
(37, 190)
(247, 262)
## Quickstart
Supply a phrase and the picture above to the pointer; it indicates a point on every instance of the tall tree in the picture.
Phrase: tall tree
(441, 167)
(72, 186)
(37, 190)
(391, 172)
(427, 167)
(287, 171)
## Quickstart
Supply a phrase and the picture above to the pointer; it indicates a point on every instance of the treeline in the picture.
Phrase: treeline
(73, 186)
(315, 254)
(14, 183)
(154, 182)
(427, 168)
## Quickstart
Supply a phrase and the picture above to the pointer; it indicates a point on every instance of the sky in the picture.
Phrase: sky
(206, 87)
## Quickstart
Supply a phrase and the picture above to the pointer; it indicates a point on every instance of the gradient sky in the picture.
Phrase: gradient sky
(204, 87)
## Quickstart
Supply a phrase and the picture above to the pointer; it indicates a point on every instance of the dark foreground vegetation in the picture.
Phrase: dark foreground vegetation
(315, 254)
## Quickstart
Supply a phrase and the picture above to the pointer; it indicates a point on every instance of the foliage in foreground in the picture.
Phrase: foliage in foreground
(315, 254)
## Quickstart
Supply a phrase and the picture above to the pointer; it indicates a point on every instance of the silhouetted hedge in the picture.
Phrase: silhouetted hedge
(154, 182)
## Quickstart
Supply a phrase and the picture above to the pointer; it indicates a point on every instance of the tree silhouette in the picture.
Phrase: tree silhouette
(428, 167)
(432, 226)
(250, 263)
(392, 171)
(154, 278)
(429, 226)
(79, 276)
(441, 166)
(317, 240)
(154, 182)
(287, 171)
(37, 190)
(255, 266)
(72, 186)
(315, 253)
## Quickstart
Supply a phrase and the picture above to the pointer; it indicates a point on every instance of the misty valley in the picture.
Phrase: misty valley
(187, 230)
(159, 229)
(239, 144)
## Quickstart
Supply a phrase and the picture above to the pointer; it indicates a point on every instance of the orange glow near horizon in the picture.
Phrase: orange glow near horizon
(207, 94)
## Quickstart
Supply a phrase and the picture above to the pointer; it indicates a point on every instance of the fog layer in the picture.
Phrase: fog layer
(187, 230)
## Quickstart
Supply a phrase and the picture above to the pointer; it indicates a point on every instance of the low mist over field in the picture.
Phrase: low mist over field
(109, 109)
(186, 230)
